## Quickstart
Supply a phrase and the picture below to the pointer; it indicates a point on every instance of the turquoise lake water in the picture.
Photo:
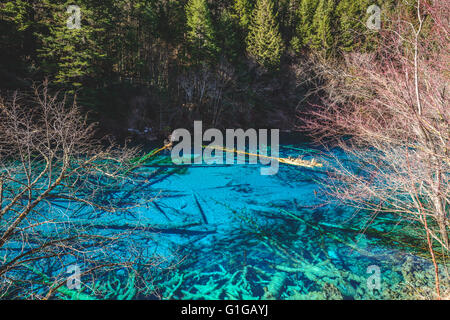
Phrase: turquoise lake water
(228, 232)
(265, 237)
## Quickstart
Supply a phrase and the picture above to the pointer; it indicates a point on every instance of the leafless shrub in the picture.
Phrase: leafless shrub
(392, 108)
(60, 201)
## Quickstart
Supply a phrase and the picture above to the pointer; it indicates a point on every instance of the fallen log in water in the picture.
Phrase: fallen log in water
(274, 289)
(162, 211)
(392, 240)
(202, 212)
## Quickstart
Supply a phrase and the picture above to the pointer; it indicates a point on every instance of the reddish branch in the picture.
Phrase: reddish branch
(392, 107)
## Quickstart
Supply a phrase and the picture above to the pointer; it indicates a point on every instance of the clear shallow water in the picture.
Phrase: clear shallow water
(228, 232)
(267, 237)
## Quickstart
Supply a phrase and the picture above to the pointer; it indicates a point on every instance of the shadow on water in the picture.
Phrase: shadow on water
(249, 236)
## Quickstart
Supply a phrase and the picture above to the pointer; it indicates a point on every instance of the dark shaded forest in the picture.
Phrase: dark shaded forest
(152, 65)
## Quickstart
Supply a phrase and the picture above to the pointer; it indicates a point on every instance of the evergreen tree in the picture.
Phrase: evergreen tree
(306, 11)
(286, 16)
(70, 55)
(322, 37)
(201, 35)
(331, 24)
(352, 20)
(230, 36)
(17, 41)
(243, 9)
(291, 17)
(264, 41)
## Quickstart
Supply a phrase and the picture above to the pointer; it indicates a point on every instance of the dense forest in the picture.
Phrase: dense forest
(156, 63)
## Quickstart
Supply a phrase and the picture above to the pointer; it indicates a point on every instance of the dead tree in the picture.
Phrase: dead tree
(53, 172)
(389, 111)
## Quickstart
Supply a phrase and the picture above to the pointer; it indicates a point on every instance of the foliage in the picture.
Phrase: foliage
(243, 9)
(389, 112)
(71, 55)
(200, 35)
(322, 23)
(264, 41)
(145, 40)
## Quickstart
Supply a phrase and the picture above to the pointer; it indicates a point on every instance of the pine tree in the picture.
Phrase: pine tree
(352, 27)
(286, 16)
(292, 16)
(201, 35)
(322, 37)
(70, 55)
(230, 36)
(264, 41)
(243, 9)
(331, 24)
(304, 32)
(17, 40)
